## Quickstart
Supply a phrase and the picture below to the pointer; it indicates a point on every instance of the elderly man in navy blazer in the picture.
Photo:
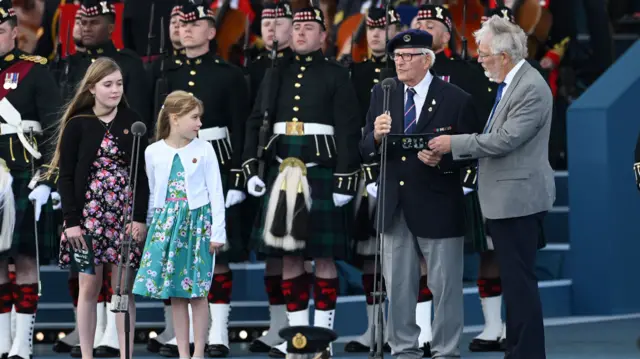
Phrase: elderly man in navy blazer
(424, 208)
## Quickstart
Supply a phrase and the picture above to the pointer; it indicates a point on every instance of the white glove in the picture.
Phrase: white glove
(40, 196)
(234, 197)
(340, 200)
(372, 189)
(467, 190)
(251, 186)
(55, 198)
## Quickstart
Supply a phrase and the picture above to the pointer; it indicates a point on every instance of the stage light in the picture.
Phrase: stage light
(243, 334)
(152, 334)
(39, 336)
(61, 335)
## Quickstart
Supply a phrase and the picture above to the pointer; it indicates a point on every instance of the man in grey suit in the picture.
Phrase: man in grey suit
(515, 181)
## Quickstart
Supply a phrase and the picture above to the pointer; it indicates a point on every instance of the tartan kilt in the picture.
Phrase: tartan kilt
(477, 230)
(330, 235)
(363, 240)
(23, 235)
(235, 250)
(475, 239)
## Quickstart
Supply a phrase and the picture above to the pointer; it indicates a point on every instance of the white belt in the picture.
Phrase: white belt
(301, 129)
(213, 133)
(6, 129)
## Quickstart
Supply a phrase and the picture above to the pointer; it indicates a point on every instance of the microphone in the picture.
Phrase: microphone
(388, 85)
(138, 128)
(120, 300)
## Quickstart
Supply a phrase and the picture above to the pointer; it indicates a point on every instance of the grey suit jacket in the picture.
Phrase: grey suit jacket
(514, 175)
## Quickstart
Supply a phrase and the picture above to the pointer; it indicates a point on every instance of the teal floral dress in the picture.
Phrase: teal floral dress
(176, 261)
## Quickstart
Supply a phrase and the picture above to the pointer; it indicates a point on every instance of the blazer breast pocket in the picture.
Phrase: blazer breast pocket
(513, 175)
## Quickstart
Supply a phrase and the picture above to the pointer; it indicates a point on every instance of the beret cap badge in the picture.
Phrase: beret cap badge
(406, 38)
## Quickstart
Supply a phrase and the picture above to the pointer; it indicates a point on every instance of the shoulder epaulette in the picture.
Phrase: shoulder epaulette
(334, 62)
(33, 58)
(129, 53)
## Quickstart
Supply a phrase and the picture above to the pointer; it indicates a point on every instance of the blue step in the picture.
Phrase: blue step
(350, 312)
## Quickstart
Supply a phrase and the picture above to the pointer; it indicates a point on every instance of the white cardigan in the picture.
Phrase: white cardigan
(202, 180)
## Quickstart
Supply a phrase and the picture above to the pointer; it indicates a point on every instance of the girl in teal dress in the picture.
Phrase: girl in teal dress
(186, 215)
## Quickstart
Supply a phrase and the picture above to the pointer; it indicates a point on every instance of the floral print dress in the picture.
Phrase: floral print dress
(103, 211)
(176, 261)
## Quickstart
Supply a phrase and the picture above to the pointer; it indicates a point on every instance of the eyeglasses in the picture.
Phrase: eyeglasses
(405, 56)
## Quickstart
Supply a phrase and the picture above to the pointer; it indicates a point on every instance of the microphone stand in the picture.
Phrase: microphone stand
(120, 300)
(379, 294)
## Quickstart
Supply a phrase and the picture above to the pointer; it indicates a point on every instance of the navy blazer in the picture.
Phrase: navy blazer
(430, 198)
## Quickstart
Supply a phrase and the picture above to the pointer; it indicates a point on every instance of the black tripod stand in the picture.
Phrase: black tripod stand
(379, 295)
(120, 300)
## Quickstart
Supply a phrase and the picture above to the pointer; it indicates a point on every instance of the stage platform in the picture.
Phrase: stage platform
(567, 338)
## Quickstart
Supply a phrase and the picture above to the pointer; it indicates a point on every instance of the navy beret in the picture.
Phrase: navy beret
(412, 38)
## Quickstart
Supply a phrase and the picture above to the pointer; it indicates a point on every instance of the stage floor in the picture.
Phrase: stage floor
(567, 338)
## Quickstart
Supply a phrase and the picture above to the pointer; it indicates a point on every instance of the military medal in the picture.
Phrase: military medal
(11, 81)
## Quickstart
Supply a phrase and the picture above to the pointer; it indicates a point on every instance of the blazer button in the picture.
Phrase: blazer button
(402, 183)
(404, 158)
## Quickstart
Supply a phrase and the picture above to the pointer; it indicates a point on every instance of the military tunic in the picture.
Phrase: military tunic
(36, 97)
(259, 67)
(222, 89)
(156, 71)
(311, 90)
(136, 87)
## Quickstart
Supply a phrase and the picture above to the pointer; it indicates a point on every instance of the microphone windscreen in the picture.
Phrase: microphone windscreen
(138, 128)
(389, 83)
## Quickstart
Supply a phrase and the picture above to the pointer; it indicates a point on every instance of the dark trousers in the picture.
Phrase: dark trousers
(516, 243)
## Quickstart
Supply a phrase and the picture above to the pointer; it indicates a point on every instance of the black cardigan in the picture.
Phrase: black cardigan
(79, 145)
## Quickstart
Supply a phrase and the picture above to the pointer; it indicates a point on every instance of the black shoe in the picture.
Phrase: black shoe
(4, 356)
(153, 345)
(169, 351)
(76, 352)
(19, 357)
(217, 351)
(59, 347)
(276, 353)
(258, 346)
(355, 346)
(481, 345)
(503, 345)
(426, 350)
(104, 351)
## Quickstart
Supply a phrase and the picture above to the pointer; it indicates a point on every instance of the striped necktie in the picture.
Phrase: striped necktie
(495, 106)
(410, 112)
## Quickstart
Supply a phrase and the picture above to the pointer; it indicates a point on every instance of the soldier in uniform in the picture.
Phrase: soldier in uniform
(28, 107)
(97, 25)
(276, 23)
(311, 170)
(364, 75)
(222, 88)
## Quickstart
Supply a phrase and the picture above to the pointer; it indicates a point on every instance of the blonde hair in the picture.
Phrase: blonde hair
(177, 103)
(83, 99)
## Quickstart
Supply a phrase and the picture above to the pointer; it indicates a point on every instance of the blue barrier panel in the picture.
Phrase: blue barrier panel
(604, 224)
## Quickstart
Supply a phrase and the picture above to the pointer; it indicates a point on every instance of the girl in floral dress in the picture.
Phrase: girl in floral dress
(188, 219)
(94, 161)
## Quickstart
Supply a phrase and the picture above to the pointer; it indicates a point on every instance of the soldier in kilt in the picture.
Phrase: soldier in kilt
(222, 88)
(29, 104)
(312, 166)
(276, 23)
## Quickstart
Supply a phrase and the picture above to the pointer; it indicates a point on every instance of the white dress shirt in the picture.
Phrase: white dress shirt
(202, 180)
(422, 89)
(511, 75)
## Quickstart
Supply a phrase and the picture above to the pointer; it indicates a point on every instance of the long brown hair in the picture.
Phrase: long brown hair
(83, 99)
(178, 103)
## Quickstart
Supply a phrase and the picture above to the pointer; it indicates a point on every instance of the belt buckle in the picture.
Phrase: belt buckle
(295, 128)
(293, 162)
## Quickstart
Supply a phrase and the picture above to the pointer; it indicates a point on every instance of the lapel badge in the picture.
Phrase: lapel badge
(433, 102)
(194, 160)
(126, 132)
(430, 109)
(11, 81)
